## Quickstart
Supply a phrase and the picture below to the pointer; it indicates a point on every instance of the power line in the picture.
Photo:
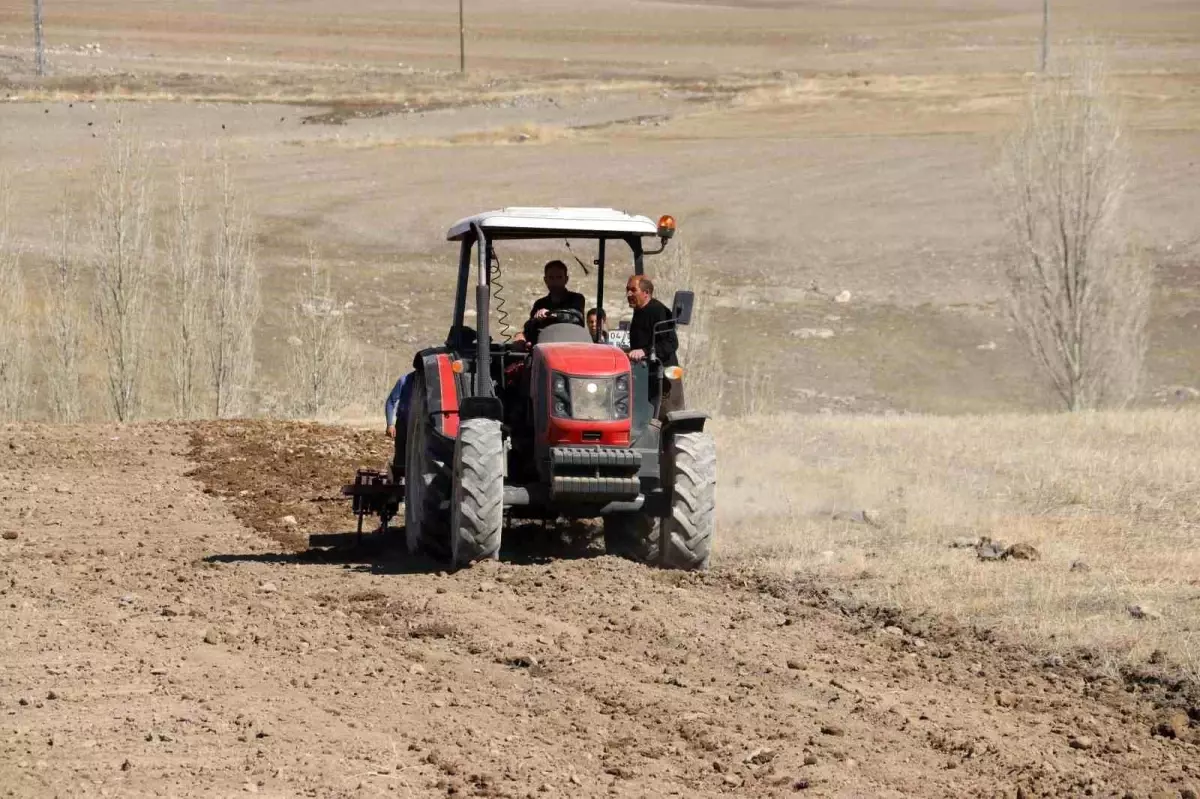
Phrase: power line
(39, 45)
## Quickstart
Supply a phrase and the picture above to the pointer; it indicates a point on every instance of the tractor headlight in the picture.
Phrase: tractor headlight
(560, 396)
(621, 396)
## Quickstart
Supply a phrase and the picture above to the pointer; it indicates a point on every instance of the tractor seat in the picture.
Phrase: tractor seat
(564, 333)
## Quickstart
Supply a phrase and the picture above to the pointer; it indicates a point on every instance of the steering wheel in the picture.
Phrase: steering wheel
(568, 316)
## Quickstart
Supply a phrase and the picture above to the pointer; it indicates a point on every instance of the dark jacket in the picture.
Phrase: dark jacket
(641, 332)
(571, 301)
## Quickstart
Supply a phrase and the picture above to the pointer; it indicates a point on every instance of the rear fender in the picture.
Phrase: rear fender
(441, 391)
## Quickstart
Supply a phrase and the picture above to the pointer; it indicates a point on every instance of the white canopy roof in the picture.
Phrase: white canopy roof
(513, 223)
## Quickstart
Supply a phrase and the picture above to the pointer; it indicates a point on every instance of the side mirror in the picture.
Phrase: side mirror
(681, 307)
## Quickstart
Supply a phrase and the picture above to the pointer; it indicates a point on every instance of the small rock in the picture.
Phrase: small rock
(732, 780)
(987, 549)
(268, 588)
(760, 756)
(812, 332)
(1080, 566)
(843, 297)
(1080, 742)
(1144, 613)
(1006, 699)
(52, 695)
(289, 521)
(892, 629)
(211, 637)
(126, 766)
(1022, 551)
(810, 760)
(1174, 724)
(9, 535)
(523, 660)
(168, 612)
(128, 599)
(832, 729)
(486, 586)
(1188, 793)
(416, 668)
(794, 664)
(800, 785)
(62, 489)
(1053, 661)
(23, 702)
(158, 671)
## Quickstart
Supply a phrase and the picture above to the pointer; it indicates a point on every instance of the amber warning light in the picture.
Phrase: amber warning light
(666, 226)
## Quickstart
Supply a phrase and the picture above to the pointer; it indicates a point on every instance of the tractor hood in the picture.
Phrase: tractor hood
(584, 360)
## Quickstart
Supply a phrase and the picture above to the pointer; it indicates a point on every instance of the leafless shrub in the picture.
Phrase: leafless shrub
(187, 296)
(321, 365)
(1080, 295)
(234, 302)
(122, 246)
(14, 328)
(63, 321)
(699, 349)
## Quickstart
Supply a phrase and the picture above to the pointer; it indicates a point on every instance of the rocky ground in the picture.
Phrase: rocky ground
(154, 644)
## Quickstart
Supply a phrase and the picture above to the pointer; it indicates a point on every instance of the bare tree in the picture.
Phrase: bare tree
(63, 322)
(1079, 293)
(14, 328)
(39, 43)
(122, 248)
(234, 302)
(185, 321)
(321, 365)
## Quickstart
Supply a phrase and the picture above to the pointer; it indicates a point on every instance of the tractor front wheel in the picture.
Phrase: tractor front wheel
(682, 540)
(477, 505)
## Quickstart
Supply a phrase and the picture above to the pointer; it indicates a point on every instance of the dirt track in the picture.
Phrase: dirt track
(153, 645)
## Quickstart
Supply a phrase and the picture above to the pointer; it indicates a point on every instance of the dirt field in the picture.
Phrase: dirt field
(154, 645)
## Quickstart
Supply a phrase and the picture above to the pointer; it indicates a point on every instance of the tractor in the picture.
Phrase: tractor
(565, 428)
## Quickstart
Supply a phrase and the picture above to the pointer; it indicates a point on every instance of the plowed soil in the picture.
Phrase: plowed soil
(164, 634)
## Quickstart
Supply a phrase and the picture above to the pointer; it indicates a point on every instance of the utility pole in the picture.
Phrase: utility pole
(462, 40)
(1045, 32)
(39, 46)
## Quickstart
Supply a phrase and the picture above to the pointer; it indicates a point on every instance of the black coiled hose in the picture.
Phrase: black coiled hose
(497, 288)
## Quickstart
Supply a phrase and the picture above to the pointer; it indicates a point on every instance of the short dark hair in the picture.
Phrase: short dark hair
(598, 313)
(646, 284)
(555, 264)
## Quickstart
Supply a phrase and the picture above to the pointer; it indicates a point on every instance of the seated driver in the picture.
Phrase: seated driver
(558, 298)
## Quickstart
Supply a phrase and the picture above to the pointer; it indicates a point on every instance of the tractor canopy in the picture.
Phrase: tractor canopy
(551, 223)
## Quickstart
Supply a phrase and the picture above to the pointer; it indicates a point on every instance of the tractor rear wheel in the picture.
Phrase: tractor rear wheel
(477, 506)
(682, 540)
(427, 483)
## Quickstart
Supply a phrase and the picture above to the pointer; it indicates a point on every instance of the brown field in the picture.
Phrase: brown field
(161, 633)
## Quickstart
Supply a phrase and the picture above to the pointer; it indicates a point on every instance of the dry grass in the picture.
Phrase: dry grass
(1120, 491)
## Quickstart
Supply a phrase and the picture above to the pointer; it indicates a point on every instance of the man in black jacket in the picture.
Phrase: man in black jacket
(558, 298)
(648, 314)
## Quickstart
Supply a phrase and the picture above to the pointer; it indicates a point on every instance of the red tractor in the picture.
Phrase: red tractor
(565, 428)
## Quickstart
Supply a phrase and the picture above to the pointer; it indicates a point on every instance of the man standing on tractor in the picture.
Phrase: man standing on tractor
(558, 298)
(652, 329)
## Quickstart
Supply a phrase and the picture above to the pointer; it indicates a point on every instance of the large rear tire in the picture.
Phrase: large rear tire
(427, 484)
(682, 540)
(477, 506)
